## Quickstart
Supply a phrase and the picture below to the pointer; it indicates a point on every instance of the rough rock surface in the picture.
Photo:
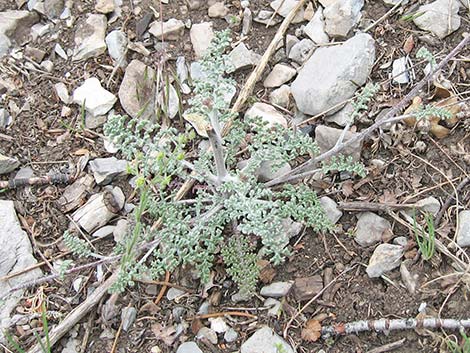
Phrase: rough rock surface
(334, 69)
(326, 138)
(371, 229)
(342, 16)
(106, 169)
(265, 340)
(463, 232)
(267, 113)
(89, 37)
(315, 29)
(241, 57)
(279, 75)
(201, 36)
(439, 17)
(173, 29)
(15, 26)
(331, 209)
(8, 164)
(385, 258)
(97, 100)
(284, 7)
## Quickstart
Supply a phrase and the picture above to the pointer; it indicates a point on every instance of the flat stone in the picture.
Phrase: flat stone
(341, 117)
(207, 333)
(267, 113)
(241, 57)
(284, 7)
(264, 17)
(62, 92)
(326, 137)
(103, 232)
(385, 258)
(230, 335)
(128, 317)
(116, 42)
(201, 35)
(173, 29)
(306, 288)
(121, 230)
(89, 38)
(315, 29)
(34, 53)
(97, 100)
(15, 27)
(275, 307)
(188, 347)
(174, 293)
(218, 10)
(331, 209)
(342, 16)
(105, 6)
(463, 232)
(439, 17)
(106, 169)
(335, 69)
(137, 90)
(53, 8)
(280, 96)
(16, 255)
(371, 229)
(75, 194)
(276, 289)
(265, 340)
(8, 164)
(429, 204)
(301, 51)
(279, 75)
(400, 72)
(142, 24)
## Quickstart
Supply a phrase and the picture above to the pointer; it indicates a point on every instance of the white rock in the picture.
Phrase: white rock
(385, 258)
(188, 347)
(334, 69)
(331, 209)
(62, 92)
(274, 305)
(106, 169)
(207, 333)
(105, 6)
(394, 2)
(173, 29)
(8, 164)
(326, 138)
(265, 340)
(15, 28)
(60, 51)
(463, 232)
(121, 230)
(342, 16)
(103, 232)
(371, 229)
(315, 29)
(218, 325)
(267, 113)
(174, 293)
(301, 51)
(53, 8)
(218, 10)
(400, 73)
(47, 65)
(137, 90)
(116, 42)
(284, 7)
(280, 96)
(171, 104)
(279, 75)
(247, 21)
(276, 289)
(290, 42)
(98, 101)
(40, 29)
(241, 57)
(89, 38)
(439, 17)
(201, 35)
(429, 204)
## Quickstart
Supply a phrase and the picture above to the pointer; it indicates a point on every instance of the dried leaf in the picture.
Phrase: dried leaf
(81, 152)
(439, 131)
(451, 105)
(198, 121)
(347, 188)
(312, 331)
(415, 106)
(409, 44)
(166, 334)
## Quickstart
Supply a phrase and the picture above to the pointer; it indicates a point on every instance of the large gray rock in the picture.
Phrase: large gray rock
(326, 138)
(137, 90)
(15, 255)
(241, 57)
(370, 229)
(201, 35)
(265, 340)
(106, 169)
(15, 27)
(301, 50)
(89, 38)
(439, 17)
(463, 232)
(97, 100)
(342, 16)
(8, 164)
(332, 74)
(385, 258)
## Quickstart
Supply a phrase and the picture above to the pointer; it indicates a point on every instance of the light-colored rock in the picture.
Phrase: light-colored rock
(53, 8)
(89, 38)
(8, 164)
(208, 334)
(103, 232)
(173, 29)
(15, 27)
(201, 35)
(284, 7)
(439, 17)
(188, 347)
(5, 118)
(72, 346)
(106, 169)
(121, 230)
(331, 209)
(290, 42)
(266, 173)
(463, 232)
(400, 73)
(40, 29)
(15, 255)
(241, 57)
(218, 324)
(62, 92)
(265, 340)
(128, 317)
(97, 100)
(326, 137)
(334, 69)
(306, 288)
(274, 305)
(429, 204)
(267, 113)
(47, 65)
(116, 42)
(301, 51)
(315, 29)
(174, 293)
(230, 335)
(276, 289)
(105, 6)
(137, 90)
(60, 51)
(342, 16)
(371, 229)
(218, 10)
(264, 17)
(170, 101)
(280, 96)
(394, 2)
(385, 258)
(279, 75)
(342, 117)
(247, 21)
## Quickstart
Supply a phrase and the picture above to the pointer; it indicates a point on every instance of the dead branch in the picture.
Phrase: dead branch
(449, 200)
(373, 206)
(58, 178)
(388, 347)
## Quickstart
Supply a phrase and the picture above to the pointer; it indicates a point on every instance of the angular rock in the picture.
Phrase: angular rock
(429, 204)
(284, 7)
(264, 17)
(301, 51)
(97, 100)
(371, 229)
(5, 118)
(106, 169)
(230, 335)
(75, 194)
(34, 53)
(173, 29)
(128, 317)
(15, 27)
(62, 92)
(400, 72)
(89, 38)
(274, 305)
(290, 42)
(307, 287)
(60, 51)
(279, 75)
(331, 209)
(265, 340)
(463, 232)
(247, 21)
(16, 255)
(280, 96)
(121, 230)
(208, 334)
(188, 347)
(315, 29)
(201, 35)
(334, 69)
(142, 25)
(385, 258)
(218, 325)
(8, 164)
(53, 8)
(326, 137)
(105, 6)
(267, 113)
(439, 17)
(276, 289)
(174, 293)
(241, 57)
(103, 232)
(342, 117)
(116, 42)
(218, 10)
(342, 16)
(137, 90)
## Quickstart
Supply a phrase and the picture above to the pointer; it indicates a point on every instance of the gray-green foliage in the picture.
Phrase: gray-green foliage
(362, 99)
(76, 245)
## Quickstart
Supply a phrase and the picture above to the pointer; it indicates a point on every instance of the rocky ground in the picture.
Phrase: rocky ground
(66, 66)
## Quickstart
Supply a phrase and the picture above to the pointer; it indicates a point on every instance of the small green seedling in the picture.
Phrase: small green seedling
(455, 347)
(426, 239)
